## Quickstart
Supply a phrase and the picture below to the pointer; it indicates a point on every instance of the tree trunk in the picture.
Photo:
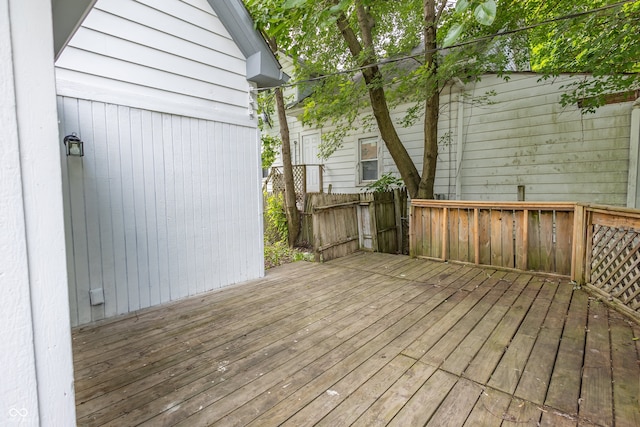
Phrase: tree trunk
(432, 105)
(293, 216)
(373, 79)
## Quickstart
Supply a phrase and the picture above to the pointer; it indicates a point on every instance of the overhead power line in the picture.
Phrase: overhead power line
(461, 44)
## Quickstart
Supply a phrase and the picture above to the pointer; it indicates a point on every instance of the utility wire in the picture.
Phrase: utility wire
(461, 44)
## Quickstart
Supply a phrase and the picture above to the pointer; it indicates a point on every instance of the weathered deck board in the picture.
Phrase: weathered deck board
(626, 372)
(535, 378)
(489, 410)
(369, 339)
(485, 361)
(564, 387)
(595, 401)
(511, 366)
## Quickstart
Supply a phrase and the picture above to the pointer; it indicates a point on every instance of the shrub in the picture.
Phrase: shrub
(275, 219)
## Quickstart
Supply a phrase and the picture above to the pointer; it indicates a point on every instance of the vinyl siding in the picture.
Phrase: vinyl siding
(523, 136)
(527, 138)
(160, 207)
(169, 56)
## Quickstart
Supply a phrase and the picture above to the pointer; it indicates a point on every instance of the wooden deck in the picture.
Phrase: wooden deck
(366, 340)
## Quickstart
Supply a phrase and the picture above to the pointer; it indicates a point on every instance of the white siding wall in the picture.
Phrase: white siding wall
(36, 367)
(523, 137)
(527, 138)
(166, 202)
(160, 207)
(170, 55)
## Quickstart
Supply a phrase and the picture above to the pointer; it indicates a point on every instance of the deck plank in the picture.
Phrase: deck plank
(264, 355)
(265, 391)
(391, 401)
(507, 374)
(369, 340)
(457, 406)
(489, 410)
(595, 398)
(488, 357)
(358, 401)
(422, 344)
(626, 372)
(552, 418)
(438, 352)
(564, 387)
(425, 401)
(443, 303)
(460, 358)
(537, 373)
(214, 343)
(522, 413)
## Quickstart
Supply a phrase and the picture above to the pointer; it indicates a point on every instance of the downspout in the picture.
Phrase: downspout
(459, 137)
(633, 196)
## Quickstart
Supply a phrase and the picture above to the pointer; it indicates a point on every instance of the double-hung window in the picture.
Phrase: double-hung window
(368, 159)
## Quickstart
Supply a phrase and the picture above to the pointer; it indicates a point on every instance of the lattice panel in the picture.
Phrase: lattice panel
(299, 183)
(615, 263)
(299, 176)
(277, 181)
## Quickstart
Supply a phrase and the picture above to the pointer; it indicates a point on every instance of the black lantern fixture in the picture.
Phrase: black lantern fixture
(74, 145)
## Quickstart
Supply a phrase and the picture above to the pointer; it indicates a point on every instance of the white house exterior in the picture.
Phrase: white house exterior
(166, 201)
(521, 142)
(168, 187)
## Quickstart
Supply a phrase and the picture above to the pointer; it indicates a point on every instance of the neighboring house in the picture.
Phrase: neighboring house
(522, 143)
(166, 201)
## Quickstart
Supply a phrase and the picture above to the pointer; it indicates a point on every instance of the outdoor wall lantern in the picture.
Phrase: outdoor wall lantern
(74, 145)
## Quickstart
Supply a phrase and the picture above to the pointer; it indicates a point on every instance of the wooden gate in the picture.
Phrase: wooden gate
(339, 224)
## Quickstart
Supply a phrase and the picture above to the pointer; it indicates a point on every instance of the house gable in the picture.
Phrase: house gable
(166, 201)
(169, 56)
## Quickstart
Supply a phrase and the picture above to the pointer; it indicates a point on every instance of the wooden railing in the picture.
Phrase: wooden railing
(597, 246)
(612, 254)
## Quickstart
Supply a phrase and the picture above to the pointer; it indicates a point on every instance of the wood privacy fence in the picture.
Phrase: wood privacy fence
(339, 224)
(594, 245)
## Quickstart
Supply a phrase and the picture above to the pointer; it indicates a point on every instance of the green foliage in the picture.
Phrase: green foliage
(387, 182)
(278, 253)
(604, 44)
(270, 148)
(484, 12)
(275, 218)
(276, 247)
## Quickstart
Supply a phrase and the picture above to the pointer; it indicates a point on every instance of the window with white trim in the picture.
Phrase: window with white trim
(368, 159)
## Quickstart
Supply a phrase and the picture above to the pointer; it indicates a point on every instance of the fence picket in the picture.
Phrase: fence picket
(596, 245)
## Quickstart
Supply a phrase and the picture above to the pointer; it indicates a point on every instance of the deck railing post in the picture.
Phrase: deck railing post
(579, 252)
(397, 203)
(445, 232)
(476, 236)
(412, 230)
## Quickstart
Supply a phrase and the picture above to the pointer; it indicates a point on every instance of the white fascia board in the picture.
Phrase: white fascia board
(262, 66)
(67, 17)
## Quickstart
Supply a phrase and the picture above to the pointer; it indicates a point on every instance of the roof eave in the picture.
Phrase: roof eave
(262, 66)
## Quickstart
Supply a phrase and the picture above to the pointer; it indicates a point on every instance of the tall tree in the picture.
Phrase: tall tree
(406, 52)
(265, 14)
(370, 36)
